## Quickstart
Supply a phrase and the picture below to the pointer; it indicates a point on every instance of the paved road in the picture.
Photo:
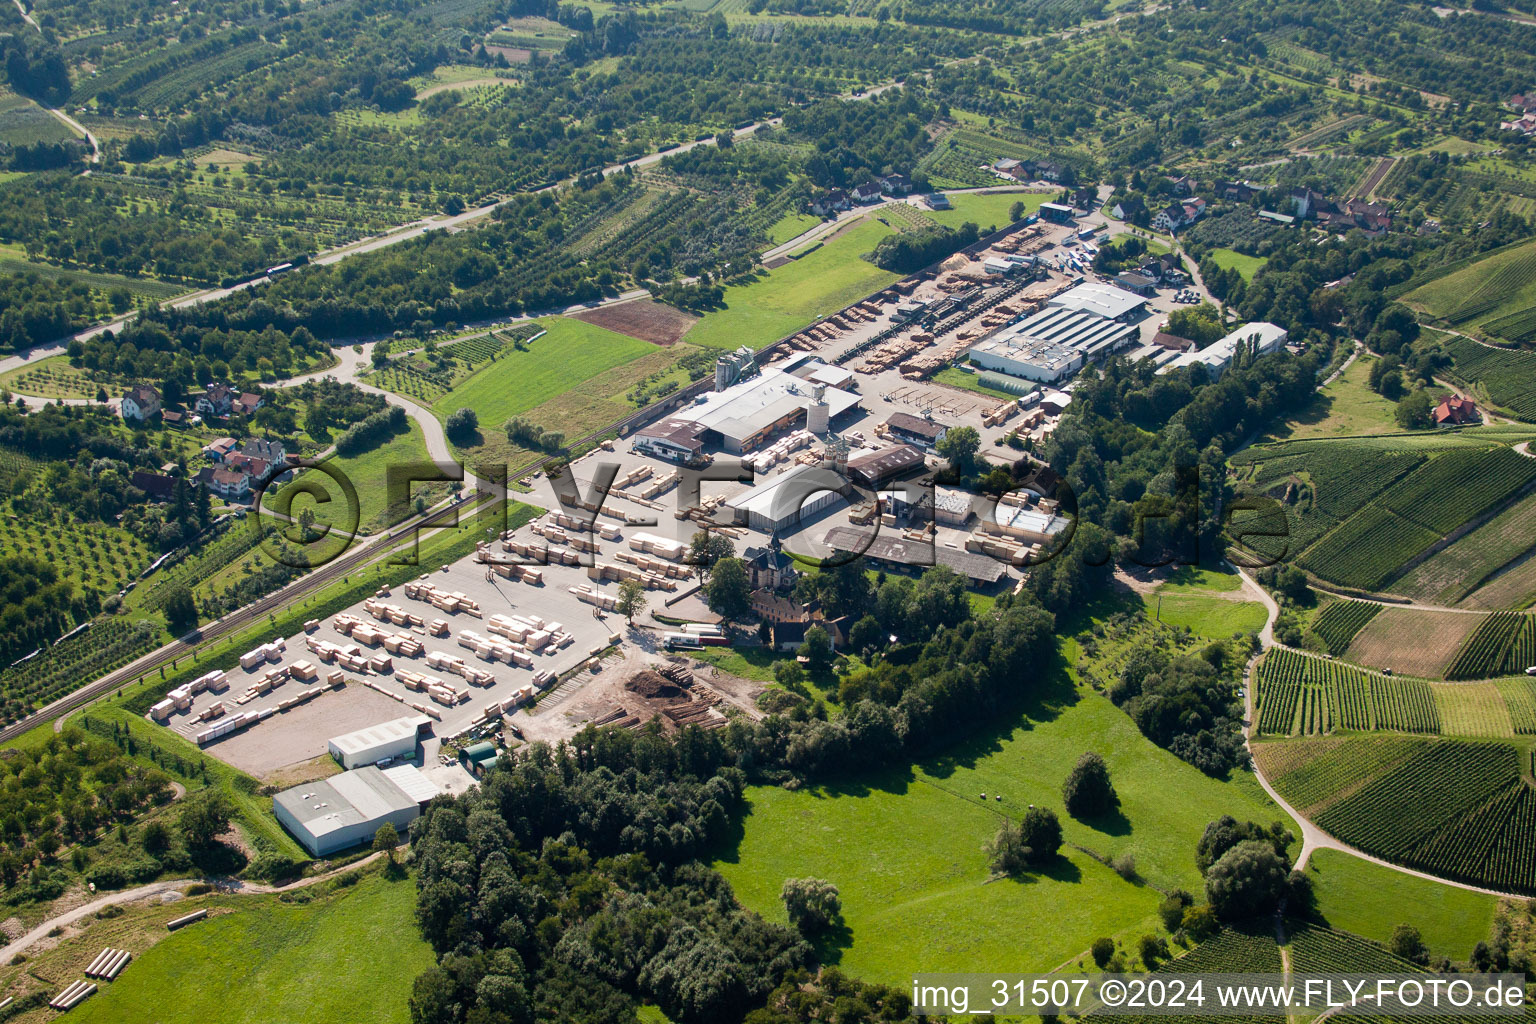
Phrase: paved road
(1312, 837)
(69, 122)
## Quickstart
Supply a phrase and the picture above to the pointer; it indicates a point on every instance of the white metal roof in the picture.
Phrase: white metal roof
(743, 409)
(410, 781)
(351, 798)
(379, 735)
(1105, 300)
(786, 493)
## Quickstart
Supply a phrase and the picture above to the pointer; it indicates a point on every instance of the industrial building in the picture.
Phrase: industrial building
(874, 469)
(1259, 338)
(1103, 300)
(900, 553)
(672, 439)
(1026, 524)
(1012, 352)
(744, 415)
(783, 501)
(375, 743)
(917, 430)
(346, 810)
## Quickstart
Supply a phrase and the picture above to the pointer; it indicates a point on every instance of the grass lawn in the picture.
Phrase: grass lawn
(958, 378)
(906, 848)
(569, 354)
(1367, 899)
(1230, 259)
(368, 473)
(792, 296)
(986, 210)
(1346, 407)
(1202, 613)
(791, 225)
(348, 957)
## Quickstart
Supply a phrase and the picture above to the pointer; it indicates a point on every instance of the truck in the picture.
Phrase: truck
(683, 642)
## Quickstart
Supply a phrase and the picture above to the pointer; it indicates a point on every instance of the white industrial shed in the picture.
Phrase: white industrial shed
(347, 809)
(1101, 299)
(746, 414)
(375, 743)
(783, 501)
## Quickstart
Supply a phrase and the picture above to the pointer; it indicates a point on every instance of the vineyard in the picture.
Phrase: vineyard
(1456, 809)
(1298, 694)
(1230, 952)
(1313, 773)
(1368, 549)
(1458, 486)
(1509, 378)
(1337, 624)
(1319, 950)
(1473, 709)
(1522, 649)
(1484, 289)
(1488, 649)
(1520, 697)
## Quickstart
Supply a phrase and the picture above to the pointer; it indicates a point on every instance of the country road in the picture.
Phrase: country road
(224, 886)
(1312, 837)
(69, 122)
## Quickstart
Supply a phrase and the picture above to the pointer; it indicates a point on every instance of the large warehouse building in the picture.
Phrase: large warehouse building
(745, 415)
(346, 810)
(1086, 323)
(375, 743)
(783, 501)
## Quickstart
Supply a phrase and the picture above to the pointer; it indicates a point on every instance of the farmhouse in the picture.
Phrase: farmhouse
(371, 745)
(1455, 411)
(741, 417)
(346, 810)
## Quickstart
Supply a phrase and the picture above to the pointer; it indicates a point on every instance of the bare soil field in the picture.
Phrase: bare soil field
(1412, 642)
(645, 319)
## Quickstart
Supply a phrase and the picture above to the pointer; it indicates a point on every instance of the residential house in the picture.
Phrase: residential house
(1236, 191)
(218, 449)
(262, 448)
(866, 192)
(1455, 411)
(1305, 202)
(1009, 168)
(248, 403)
(1050, 171)
(1183, 185)
(830, 201)
(916, 430)
(156, 486)
(254, 468)
(1085, 198)
(1169, 218)
(1525, 124)
(141, 403)
(216, 401)
(937, 201)
(1132, 209)
(896, 185)
(227, 483)
(1172, 342)
(173, 417)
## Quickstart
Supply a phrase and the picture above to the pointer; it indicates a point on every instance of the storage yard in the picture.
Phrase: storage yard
(525, 633)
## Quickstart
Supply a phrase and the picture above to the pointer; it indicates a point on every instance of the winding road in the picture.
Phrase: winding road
(1312, 837)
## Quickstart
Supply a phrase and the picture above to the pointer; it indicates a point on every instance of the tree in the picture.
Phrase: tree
(1102, 949)
(1152, 949)
(156, 838)
(204, 818)
(866, 635)
(1171, 910)
(728, 590)
(1248, 881)
(1201, 324)
(1415, 411)
(462, 424)
(816, 650)
(1087, 791)
(385, 840)
(959, 446)
(1030, 843)
(813, 904)
(180, 611)
(631, 599)
(1409, 944)
(706, 548)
